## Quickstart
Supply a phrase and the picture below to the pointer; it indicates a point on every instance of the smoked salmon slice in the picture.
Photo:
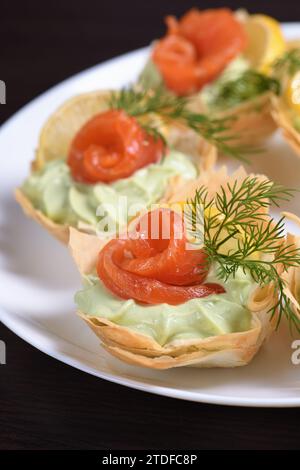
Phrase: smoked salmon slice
(156, 266)
(197, 48)
(110, 146)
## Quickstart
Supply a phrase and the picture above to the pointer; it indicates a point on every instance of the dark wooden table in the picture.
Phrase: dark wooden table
(45, 404)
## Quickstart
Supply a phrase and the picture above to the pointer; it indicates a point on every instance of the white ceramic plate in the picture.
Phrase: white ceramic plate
(38, 278)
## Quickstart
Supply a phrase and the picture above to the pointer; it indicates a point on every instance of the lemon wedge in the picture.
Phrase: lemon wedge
(61, 127)
(266, 41)
(292, 93)
(229, 245)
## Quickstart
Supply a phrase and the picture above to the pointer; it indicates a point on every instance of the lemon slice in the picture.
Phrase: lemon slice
(292, 93)
(60, 128)
(266, 41)
(230, 245)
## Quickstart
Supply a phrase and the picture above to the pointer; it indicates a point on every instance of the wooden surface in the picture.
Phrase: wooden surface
(45, 404)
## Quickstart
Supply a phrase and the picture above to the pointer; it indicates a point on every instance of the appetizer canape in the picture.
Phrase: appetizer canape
(190, 284)
(221, 59)
(102, 146)
(286, 106)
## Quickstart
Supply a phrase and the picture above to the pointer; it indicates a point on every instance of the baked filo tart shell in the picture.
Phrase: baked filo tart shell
(292, 277)
(60, 129)
(226, 350)
(252, 121)
(280, 112)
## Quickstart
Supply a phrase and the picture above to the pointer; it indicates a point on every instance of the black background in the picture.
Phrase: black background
(45, 404)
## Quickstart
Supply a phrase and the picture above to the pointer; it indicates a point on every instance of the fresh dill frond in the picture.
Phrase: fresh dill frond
(141, 102)
(239, 212)
(288, 64)
(173, 109)
(246, 87)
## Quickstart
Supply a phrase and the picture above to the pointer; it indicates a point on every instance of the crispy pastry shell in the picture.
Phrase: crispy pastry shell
(280, 113)
(292, 277)
(252, 120)
(58, 231)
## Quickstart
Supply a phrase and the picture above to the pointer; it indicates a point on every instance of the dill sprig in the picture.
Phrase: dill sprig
(246, 87)
(170, 108)
(238, 212)
(288, 64)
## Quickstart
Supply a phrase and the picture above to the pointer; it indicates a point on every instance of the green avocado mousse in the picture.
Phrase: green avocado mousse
(54, 192)
(197, 284)
(197, 318)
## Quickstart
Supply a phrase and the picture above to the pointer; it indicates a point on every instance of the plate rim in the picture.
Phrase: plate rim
(166, 391)
(8, 319)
